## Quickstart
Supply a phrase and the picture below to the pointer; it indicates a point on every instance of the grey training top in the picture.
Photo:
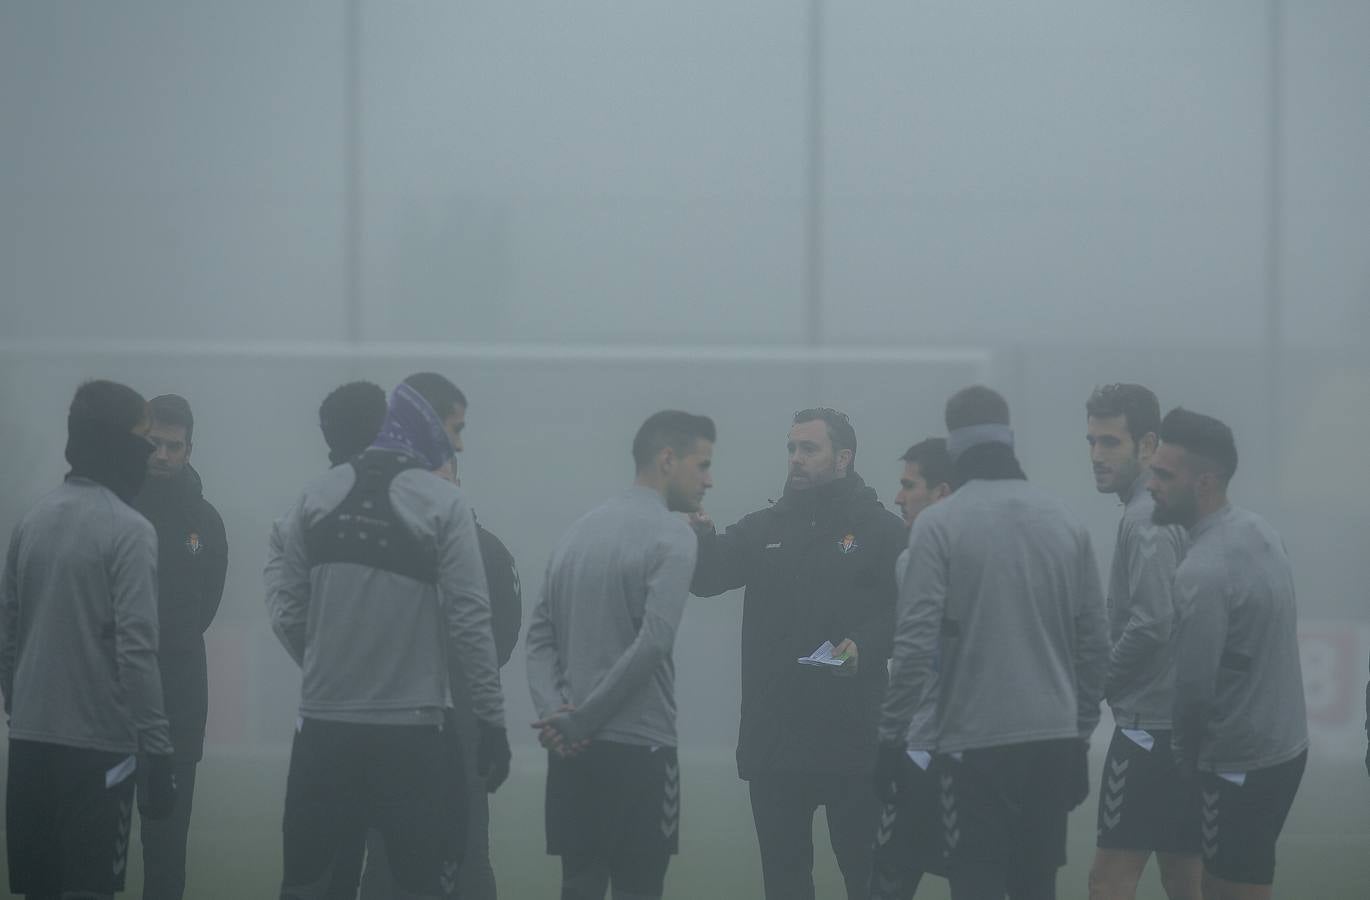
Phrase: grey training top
(78, 625)
(601, 636)
(1002, 599)
(1239, 686)
(1141, 615)
(374, 645)
(922, 733)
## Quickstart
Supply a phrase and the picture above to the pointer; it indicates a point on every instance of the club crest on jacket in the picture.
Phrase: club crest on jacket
(848, 544)
(193, 544)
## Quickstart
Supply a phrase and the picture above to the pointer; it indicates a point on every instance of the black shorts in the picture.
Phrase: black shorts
(402, 780)
(1145, 803)
(909, 836)
(1242, 822)
(1005, 807)
(618, 804)
(68, 813)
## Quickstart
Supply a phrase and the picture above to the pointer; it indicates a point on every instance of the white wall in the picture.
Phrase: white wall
(995, 172)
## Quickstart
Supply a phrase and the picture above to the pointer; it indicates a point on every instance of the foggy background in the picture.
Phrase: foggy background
(582, 213)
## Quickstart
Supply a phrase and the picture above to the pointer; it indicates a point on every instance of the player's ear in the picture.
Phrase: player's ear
(844, 458)
(942, 491)
(1147, 444)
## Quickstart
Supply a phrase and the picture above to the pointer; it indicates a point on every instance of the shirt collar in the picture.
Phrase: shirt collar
(1208, 522)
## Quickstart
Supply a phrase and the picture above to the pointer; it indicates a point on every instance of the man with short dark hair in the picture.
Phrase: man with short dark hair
(372, 748)
(927, 478)
(349, 417)
(908, 842)
(78, 661)
(1239, 715)
(818, 568)
(192, 562)
(601, 673)
(1146, 804)
(1001, 603)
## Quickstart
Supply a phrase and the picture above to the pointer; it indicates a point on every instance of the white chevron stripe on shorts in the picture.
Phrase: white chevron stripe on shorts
(670, 801)
(951, 831)
(1115, 787)
(1210, 824)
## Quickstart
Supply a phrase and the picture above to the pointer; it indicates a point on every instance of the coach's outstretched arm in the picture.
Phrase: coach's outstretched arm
(922, 602)
(668, 587)
(721, 558)
(1091, 641)
(287, 583)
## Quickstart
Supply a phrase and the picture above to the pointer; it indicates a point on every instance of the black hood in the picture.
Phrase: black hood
(109, 455)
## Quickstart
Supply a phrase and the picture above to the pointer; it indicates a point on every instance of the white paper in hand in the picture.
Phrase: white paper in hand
(823, 657)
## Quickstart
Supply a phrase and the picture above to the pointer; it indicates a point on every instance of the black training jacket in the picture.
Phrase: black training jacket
(192, 561)
(506, 594)
(817, 565)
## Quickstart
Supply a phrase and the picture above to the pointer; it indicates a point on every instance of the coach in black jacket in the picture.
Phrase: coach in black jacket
(192, 561)
(818, 565)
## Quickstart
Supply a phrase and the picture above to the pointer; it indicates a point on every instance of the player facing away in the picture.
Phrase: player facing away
(477, 878)
(378, 587)
(601, 673)
(908, 840)
(1239, 715)
(78, 661)
(1001, 601)
(1146, 804)
(818, 568)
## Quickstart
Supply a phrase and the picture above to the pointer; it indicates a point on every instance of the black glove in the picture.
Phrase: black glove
(1079, 783)
(492, 755)
(159, 798)
(889, 758)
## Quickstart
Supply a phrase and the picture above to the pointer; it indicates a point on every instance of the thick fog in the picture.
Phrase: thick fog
(583, 213)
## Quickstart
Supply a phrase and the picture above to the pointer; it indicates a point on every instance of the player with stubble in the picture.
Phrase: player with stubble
(818, 568)
(1239, 714)
(1146, 805)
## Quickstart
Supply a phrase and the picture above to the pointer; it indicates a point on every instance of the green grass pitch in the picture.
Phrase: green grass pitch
(235, 851)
